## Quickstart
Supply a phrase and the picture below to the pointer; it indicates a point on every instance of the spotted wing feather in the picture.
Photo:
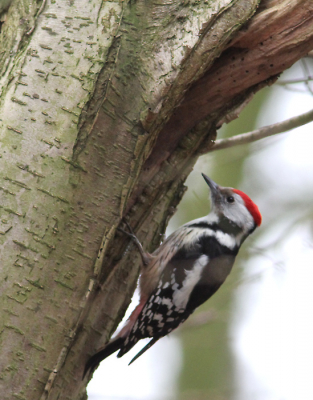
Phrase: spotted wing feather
(184, 285)
(160, 315)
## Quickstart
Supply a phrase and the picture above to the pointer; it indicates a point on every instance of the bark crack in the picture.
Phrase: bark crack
(99, 96)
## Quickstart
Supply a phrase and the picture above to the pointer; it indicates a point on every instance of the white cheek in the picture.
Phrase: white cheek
(239, 214)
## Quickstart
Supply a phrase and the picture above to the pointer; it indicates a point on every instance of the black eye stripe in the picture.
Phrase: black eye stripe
(230, 199)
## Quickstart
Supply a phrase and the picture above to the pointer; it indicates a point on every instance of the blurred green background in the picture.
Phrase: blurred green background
(208, 360)
(253, 339)
(209, 369)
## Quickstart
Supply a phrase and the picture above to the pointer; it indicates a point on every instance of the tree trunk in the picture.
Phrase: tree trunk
(105, 106)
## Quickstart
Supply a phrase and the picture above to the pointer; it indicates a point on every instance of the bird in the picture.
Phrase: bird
(185, 270)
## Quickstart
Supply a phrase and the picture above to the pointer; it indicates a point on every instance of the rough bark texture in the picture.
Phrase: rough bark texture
(105, 106)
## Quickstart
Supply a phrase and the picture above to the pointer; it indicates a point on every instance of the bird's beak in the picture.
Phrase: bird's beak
(215, 189)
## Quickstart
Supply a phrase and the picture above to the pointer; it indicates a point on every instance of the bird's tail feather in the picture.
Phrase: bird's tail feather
(109, 349)
(151, 343)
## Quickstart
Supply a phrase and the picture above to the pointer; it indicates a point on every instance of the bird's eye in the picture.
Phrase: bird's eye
(230, 199)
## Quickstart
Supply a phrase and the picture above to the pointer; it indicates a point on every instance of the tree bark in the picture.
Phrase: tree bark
(105, 106)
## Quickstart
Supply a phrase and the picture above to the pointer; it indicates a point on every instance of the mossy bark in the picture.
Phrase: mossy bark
(104, 107)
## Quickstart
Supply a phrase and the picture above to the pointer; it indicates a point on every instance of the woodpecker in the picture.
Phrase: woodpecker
(186, 270)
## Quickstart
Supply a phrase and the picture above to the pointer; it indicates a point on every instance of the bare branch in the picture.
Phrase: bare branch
(306, 71)
(264, 132)
(293, 81)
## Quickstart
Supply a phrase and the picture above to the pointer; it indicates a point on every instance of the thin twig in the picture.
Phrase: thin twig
(293, 81)
(306, 71)
(264, 132)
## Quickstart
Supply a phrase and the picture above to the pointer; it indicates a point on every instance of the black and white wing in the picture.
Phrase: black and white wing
(186, 283)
